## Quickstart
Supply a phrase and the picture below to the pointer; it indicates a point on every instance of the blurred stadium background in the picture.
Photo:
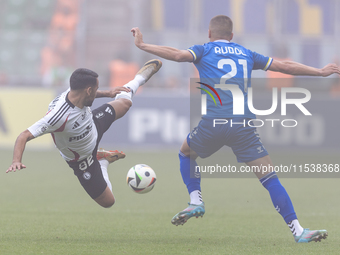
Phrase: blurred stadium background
(43, 41)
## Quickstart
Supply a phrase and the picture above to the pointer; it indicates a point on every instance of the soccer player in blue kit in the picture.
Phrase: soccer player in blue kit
(220, 58)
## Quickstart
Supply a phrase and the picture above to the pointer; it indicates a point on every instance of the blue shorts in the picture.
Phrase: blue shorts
(205, 139)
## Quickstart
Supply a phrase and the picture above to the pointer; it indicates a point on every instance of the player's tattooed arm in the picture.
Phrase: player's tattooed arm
(111, 93)
(19, 148)
(294, 68)
(166, 52)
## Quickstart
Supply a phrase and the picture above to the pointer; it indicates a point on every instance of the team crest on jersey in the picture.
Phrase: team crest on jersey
(99, 115)
(87, 176)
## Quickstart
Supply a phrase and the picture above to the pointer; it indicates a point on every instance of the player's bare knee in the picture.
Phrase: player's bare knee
(128, 103)
(107, 204)
(106, 199)
(121, 106)
(185, 149)
(185, 152)
(125, 102)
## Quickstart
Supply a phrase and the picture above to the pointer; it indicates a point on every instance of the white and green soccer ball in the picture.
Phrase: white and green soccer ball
(141, 178)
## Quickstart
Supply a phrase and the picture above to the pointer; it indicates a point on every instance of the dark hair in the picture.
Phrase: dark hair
(82, 77)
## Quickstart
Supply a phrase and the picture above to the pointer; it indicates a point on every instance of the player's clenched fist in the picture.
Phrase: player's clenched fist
(15, 166)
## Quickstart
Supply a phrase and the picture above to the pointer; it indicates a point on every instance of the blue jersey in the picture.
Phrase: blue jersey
(223, 62)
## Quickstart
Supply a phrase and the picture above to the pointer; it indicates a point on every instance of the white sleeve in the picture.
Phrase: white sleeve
(39, 128)
(51, 122)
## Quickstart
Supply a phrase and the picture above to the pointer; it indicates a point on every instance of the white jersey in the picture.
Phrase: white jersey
(73, 129)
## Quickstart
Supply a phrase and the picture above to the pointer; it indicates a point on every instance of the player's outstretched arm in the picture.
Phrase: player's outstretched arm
(19, 148)
(166, 52)
(111, 93)
(294, 68)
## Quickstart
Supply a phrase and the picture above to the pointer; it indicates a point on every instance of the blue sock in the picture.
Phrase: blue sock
(187, 166)
(279, 196)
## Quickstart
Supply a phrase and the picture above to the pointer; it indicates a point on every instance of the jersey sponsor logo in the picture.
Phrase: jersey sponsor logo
(79, 137)
(99, 115)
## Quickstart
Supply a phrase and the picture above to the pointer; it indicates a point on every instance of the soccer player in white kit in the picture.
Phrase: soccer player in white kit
(77, 131)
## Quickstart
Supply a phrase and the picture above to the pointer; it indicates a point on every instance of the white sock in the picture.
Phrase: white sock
(295, 227)
(196, 197)
(133, 85)
(103, 165)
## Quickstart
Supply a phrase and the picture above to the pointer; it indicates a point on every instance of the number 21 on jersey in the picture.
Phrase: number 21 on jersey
(233, 71)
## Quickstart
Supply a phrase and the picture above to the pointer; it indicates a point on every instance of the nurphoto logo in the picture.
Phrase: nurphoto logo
(239, 102)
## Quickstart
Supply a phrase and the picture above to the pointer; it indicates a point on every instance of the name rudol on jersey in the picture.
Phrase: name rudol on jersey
(229, 50)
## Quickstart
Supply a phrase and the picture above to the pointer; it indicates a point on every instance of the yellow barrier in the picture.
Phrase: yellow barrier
(19, 109)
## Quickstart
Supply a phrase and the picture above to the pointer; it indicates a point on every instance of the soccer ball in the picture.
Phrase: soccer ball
(141, 178)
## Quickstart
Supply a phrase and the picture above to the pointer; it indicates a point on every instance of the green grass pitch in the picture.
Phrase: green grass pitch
(45, 211)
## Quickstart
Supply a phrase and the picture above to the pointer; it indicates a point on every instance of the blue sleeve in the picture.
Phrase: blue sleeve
(261, 62)
(197, 52)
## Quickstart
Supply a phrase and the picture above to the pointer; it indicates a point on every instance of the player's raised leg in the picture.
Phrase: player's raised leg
(196, 207)
(123, 100)
(282, 202)
(121, 105)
